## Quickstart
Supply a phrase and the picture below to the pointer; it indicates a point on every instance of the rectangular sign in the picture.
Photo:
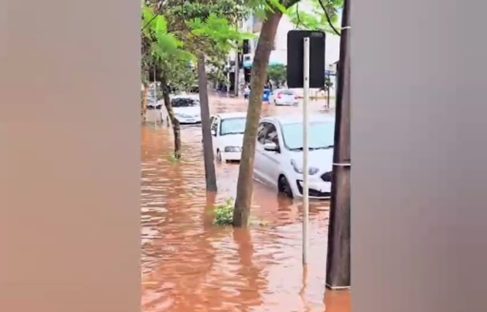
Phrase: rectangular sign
(295, 57)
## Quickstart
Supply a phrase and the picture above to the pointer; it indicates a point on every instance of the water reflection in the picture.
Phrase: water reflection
(190, 265)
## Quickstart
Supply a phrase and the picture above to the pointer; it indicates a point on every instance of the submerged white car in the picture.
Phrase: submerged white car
(227, 130)
(186, 108)
(279, 155)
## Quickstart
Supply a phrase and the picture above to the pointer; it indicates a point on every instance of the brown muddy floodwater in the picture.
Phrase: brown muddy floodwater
(190, 265)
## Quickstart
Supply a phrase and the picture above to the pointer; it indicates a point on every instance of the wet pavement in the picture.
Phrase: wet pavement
(188, 264)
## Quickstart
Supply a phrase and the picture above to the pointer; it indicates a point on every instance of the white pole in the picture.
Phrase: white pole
(305, 150)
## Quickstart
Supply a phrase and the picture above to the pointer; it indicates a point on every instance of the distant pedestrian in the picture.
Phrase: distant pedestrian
(247, 91)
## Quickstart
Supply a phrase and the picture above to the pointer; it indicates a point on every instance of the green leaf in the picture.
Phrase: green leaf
(147, 14)
(160, 24)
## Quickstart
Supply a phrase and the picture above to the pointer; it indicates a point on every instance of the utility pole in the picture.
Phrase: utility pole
(306, 64)
(338, 255)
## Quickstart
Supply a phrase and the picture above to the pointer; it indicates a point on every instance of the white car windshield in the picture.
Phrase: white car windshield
(320, 135)
(232, 126)
(286, 92)
(183, 102)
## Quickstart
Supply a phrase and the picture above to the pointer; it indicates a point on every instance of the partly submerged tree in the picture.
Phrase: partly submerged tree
(163, 54)
(199, 31)
(271, 12)
(207, 29)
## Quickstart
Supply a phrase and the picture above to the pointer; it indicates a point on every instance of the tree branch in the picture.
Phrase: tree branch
(328, 18)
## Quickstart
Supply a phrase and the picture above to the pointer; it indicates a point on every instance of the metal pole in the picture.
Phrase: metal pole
(305, 150)
(338, 254)
(237, 67)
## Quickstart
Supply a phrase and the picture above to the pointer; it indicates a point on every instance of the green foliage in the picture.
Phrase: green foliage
(277, 73)
(262, 8)
(315, 18)
(188, 10)
(164, 52)
(206, 28)
(224, 213)
(217, 30)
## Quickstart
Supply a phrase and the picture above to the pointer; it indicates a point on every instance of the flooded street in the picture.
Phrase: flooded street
(188, 264)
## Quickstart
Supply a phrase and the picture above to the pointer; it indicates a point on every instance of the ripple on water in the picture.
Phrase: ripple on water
(189, 265)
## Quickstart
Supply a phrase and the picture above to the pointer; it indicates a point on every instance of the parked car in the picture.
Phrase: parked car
(227, 130)
(279, 155)
(186, 109)
(285, 97)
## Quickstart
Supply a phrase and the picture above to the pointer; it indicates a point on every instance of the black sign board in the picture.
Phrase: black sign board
(295, 58)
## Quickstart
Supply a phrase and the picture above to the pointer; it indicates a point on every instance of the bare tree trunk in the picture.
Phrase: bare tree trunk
(174, 121)
(258, 79)
(338, 255)
(205, 126)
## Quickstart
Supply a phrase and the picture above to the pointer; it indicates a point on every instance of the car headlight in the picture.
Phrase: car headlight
(232, 149)
(298, 169)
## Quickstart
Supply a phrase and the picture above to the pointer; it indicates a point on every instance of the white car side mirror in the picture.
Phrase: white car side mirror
(271, 147)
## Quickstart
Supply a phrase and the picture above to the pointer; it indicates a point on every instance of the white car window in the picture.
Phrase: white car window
(267, 133)
(320, 135)
(232, 126)
(271, 135)
(183, 102)
(262, 131)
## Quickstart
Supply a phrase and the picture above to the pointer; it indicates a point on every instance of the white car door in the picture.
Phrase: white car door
(259, 153)
(271, 159)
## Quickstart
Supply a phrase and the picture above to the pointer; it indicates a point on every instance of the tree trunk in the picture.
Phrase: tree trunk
(174, 121)
(258, 79)
(205, 126)
(338, 255)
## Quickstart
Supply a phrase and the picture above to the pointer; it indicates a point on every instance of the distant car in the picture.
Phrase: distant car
(227, 130)
(285, 97)
(279, 155)
(186, 109)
